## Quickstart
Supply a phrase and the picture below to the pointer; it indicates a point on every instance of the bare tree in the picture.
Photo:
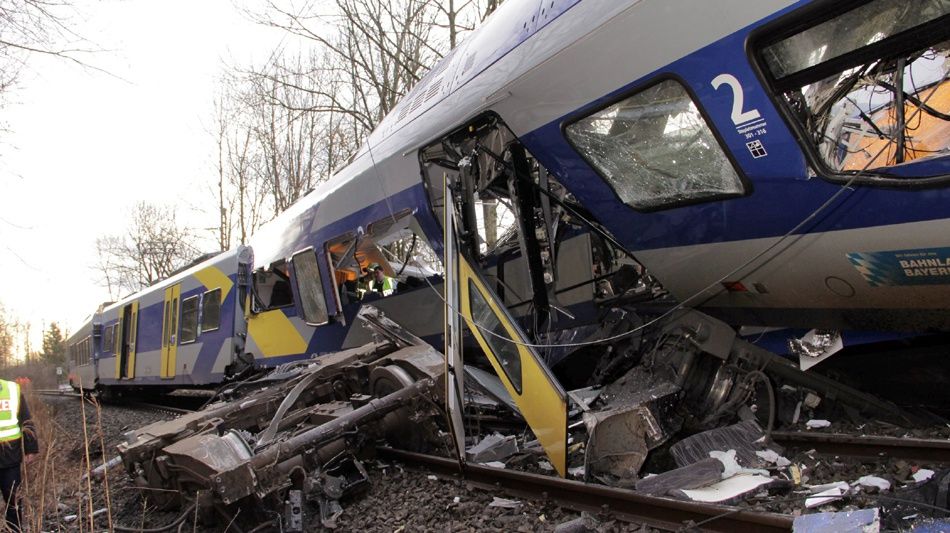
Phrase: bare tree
(37, 28)
(7, 338)
(152, 248)
(283, 127)
(379, 51)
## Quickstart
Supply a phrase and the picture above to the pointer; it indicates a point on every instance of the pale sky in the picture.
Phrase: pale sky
(84, 147)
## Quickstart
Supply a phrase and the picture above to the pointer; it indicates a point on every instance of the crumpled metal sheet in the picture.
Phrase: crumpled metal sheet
(633, 422)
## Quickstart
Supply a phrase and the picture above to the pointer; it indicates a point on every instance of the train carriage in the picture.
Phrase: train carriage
(187, 330)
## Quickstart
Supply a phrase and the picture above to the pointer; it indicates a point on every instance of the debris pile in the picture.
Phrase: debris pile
(686, 411)
(691, 417)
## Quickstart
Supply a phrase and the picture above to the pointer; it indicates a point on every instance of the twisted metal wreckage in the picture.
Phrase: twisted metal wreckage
(300, 434)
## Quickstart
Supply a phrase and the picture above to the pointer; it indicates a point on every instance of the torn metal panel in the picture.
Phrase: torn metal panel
(634, 421)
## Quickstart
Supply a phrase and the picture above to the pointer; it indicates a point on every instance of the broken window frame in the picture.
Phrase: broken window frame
(257, 304)
(810, 17)
(743, 182)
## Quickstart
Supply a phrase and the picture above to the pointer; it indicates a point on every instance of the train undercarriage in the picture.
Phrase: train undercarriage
(687, 396)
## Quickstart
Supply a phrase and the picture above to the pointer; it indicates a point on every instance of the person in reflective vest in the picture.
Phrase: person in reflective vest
(381, 283)
(17, 443)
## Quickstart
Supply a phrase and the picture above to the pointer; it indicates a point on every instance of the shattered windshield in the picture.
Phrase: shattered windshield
(655, 149)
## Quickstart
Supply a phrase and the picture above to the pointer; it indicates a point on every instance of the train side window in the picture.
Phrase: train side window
(189, 320)
(107, 339)
(867, 87)
(211, 310)
(656, 149)
(309, 286)
(272, 287)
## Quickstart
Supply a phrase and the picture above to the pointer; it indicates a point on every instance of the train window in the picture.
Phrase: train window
(656, 150)
(495, 335)
(107, 339)
(867, 86)
(312, 301)
(272, 287)
(211, 310)
(189, 320)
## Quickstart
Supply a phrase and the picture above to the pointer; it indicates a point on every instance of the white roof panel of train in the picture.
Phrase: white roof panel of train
(536, 80)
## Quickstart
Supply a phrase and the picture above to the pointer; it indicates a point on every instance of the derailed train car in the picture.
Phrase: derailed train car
(614, 200)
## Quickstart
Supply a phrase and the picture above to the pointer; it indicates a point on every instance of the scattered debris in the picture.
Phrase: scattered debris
(817, 424)
(874, 482)
(638, 418)
(922, 474)
(772, 457)
(504, 503)
(824, 496)
(693, 476)
(729, 491)
(860, 521)
(731, 465)
(494, 447)
(816, 346)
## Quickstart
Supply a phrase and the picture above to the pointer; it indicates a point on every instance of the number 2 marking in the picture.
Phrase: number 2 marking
(738, 98)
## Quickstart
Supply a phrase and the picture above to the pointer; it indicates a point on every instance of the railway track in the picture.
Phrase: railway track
(662, 513)
(670, 514)
(926, 450)
(56, 392)
(162, 407)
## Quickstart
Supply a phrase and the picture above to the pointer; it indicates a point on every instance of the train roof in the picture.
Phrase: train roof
(234, 254)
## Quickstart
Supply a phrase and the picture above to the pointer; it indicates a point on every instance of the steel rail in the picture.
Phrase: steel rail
(624, 504)
(931, 450)
(158, 407)
(56, 392)
(134, 405)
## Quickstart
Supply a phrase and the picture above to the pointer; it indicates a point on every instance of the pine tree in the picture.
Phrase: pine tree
(54, 345)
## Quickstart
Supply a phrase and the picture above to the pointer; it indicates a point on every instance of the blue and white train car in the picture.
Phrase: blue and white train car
(187, 330)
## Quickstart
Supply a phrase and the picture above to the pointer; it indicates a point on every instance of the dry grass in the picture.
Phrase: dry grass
(55, 484)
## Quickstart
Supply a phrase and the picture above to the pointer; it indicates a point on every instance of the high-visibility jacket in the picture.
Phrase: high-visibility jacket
(385, 286)
(9, 409)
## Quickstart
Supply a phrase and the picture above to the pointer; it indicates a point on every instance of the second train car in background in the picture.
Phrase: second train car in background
(187, 330)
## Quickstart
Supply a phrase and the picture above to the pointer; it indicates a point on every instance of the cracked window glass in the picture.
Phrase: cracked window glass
(655, 149)
(884, 100)
(862, 26)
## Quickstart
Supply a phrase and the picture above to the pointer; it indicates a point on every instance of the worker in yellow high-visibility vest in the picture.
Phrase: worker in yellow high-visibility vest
(17, 443)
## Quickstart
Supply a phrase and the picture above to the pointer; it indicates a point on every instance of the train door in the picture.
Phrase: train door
(540, 398)
(170, 331)
(128, 326)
